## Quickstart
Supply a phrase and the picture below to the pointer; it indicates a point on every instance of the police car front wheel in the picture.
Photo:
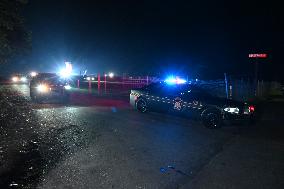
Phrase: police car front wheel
(212, 119)
(141, 105)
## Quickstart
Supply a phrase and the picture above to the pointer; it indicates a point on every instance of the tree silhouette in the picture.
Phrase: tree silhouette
(15, 40)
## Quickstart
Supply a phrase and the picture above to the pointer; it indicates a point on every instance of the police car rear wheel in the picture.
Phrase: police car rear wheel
(141, 105)
(212, 119)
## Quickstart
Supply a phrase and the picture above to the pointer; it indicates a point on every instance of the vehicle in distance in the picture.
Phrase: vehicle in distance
(49, 86)
(190, 101)
(19, 78)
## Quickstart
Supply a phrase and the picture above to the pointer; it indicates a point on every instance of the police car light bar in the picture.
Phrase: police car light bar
(172, 80)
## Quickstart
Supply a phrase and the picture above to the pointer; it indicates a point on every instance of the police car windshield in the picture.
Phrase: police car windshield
(174, 88)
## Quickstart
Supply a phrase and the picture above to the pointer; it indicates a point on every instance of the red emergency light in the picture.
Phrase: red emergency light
(258, 55)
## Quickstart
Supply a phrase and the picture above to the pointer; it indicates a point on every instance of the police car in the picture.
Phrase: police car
(49, 86)
(190, 101)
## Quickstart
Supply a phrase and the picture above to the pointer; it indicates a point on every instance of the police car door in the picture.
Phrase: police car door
(173, 98)
(193, 101)
(154, 94)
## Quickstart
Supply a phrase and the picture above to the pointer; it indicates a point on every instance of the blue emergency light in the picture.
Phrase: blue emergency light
(174, 80)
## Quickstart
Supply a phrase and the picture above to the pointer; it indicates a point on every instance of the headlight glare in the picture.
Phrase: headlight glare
(23, 79)
(43, 88)
(33, 74)
(67, 87)
(15, 79)
(232, 110)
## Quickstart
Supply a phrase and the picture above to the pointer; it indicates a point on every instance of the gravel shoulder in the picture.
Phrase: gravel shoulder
(245, 163)
(253, 159)
(109, 145)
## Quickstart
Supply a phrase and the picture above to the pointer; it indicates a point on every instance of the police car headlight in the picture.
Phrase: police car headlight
(232, 110)
(42, 88)
(67, 87)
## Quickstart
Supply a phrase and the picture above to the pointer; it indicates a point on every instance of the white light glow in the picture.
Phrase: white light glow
(15, 79)
(23, 79)
(67, 87)
(67, 71)
(64, 73)
(111, 75)
(232, 110)
(43, 88)
(33, 74)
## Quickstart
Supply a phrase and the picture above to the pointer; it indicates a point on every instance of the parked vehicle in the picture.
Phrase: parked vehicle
(48, 86)
(190, 101)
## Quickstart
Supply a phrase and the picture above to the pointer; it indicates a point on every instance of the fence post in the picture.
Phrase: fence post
(99, 83)
(90, 86)
(236, 95)
(226, 85)
(231, 91)
(147, 80)
(105, 81)
(123, 75)
(262, 88)
(258, 88)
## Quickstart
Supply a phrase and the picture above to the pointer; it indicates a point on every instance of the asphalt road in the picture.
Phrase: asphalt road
(109, 145)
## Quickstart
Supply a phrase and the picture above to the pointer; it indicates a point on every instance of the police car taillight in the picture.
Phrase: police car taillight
(251, 109)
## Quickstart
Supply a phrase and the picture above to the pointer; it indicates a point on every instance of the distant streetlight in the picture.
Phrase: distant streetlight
(111, 75)
(33, 74)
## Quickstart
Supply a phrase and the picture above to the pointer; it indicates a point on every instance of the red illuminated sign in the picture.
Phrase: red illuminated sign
(257, 55)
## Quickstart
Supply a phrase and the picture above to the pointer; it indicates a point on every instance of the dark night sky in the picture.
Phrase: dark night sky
(202, 38)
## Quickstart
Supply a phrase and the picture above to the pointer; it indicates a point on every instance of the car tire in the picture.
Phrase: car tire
(141, 105)
(212, 118)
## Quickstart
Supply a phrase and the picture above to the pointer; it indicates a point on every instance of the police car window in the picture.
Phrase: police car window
(172, 90)
(196, 92)
(154, 87)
